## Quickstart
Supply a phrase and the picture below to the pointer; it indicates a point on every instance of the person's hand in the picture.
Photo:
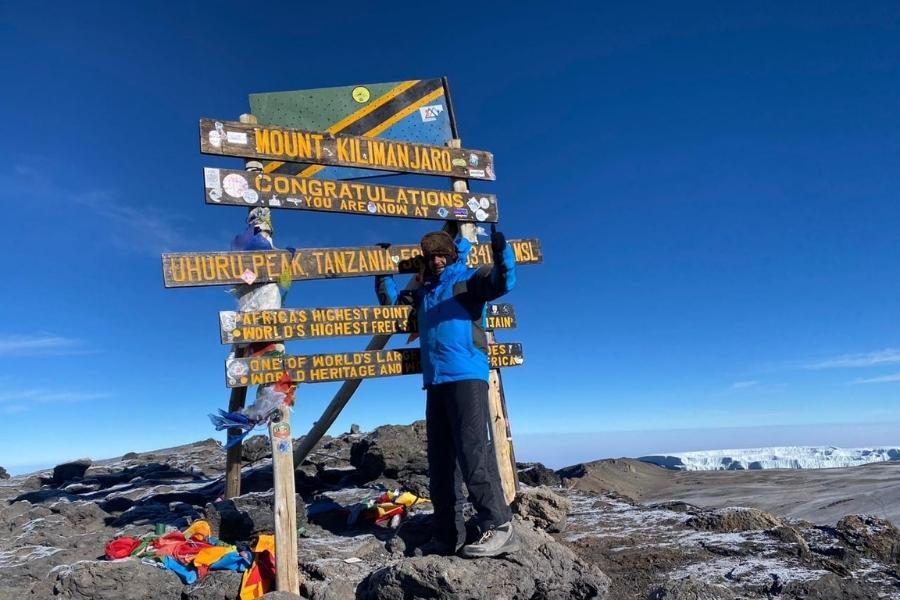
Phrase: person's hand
(498, 240)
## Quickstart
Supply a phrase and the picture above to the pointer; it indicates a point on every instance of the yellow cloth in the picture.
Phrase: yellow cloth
(408, 499)
(208, 556)
(201, 527)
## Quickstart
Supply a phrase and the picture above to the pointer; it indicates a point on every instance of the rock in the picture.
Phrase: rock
(255, 448)
(546, 509)
(3, 473)
(871, 536)
(354, 429)
(690, 588)
(830, 587)
(398, 452)
(118, 580)
(82, 487)
(535, 474)
(84, 516)
(542, 569)
(69, 471)
(786, 533)
(217, 585)
(280, 596)
(237, 519)
(733, 519)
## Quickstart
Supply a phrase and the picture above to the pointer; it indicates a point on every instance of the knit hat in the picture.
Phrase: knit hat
(438, 242)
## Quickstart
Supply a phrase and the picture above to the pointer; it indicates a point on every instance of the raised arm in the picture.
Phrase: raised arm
(489, 283)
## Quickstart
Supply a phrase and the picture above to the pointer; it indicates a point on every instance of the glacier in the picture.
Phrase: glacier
(783, 457)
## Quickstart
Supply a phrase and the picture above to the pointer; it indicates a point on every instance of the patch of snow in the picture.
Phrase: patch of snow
(751, 571)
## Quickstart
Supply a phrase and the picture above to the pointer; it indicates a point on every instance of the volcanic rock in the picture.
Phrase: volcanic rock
(535, 474)
(255, 448)
(733, 519)
(69, 471)
(871, 536)
(116, 580)
(241, 517)
(541, 506)
(3, 473)
(543, 568)
(396, 452)
(691, 588)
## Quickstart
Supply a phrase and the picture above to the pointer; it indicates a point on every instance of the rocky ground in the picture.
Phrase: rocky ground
(588, 532)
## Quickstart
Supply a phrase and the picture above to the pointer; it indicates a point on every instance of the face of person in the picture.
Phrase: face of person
(437, 262)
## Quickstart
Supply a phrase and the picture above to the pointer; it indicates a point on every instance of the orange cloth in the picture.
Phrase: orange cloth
(259, 579)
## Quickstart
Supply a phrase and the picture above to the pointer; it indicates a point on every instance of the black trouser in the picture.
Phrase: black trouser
(459, 450)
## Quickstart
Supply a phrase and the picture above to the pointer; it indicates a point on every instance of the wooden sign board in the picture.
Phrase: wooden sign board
(188, 269)
(311, 323)
(274, 190)
(244, 140)
(414, 111)
(320, 368)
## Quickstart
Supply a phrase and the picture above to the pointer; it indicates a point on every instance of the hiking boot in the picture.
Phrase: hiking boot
(493, 542)
(436, 546)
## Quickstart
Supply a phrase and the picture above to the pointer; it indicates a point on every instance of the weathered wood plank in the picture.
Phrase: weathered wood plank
(230, 138)
(187, 269)
(320, 368)
(312, 323)
(241, 188)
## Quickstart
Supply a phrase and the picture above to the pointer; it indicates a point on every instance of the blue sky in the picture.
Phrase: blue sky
(715, 187)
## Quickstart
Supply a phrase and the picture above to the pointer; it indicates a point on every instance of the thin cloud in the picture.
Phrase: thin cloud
(888, 356)
(128, 226)
(141, 229)
(742, 385)
(882, 379)
(18, 401)
(40, 344)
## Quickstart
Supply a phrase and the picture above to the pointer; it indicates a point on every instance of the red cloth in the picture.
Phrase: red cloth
(165, 545)
(121, 547)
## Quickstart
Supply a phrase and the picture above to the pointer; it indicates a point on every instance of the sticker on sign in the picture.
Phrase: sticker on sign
(430, 113)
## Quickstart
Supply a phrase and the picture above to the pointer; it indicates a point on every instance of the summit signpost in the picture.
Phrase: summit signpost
(317, 143)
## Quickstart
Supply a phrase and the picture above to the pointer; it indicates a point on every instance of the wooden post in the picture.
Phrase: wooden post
(500, 432)
(238, 397)
(287, 575)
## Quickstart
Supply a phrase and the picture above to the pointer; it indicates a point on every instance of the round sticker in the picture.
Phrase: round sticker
(480, 215)
(215, 195)
(371, 207)
(215, 138)
(484, 202)
(234, 185)
(360, 94)
(237, 369)
(250, 196)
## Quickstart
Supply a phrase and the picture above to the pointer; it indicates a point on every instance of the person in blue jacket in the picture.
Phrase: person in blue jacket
(450, 308)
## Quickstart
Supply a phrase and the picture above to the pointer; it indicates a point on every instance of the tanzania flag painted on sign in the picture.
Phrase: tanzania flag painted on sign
(413, 111)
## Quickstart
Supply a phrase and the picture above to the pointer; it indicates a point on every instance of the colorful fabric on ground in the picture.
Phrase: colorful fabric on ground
(188, 575)
(200, 528)
(121, 547)
(260, 577)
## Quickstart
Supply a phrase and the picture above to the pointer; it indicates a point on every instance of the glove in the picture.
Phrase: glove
(498, 240)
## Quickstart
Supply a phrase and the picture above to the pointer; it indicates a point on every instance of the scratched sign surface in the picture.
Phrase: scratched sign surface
(188, 269)
(320, 368)
(232, 138)
(414, 111)
(275, 190)
(312, 323)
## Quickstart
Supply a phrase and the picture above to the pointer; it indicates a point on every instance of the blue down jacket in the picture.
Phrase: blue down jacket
(451, 314)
